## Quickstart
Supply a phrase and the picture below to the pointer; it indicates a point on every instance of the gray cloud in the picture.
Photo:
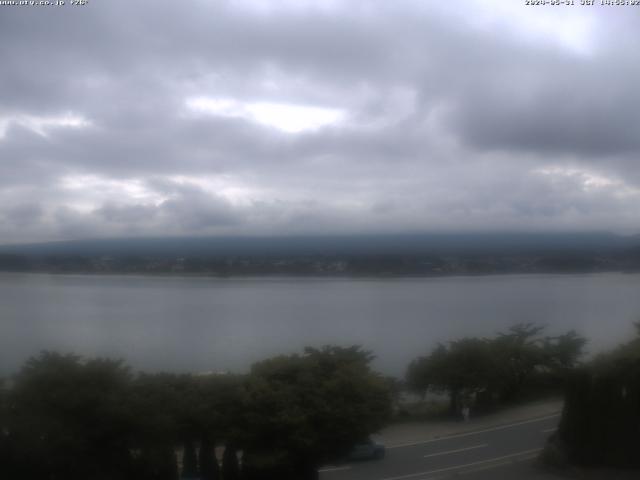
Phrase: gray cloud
(127, 214)
(23, 214)
(489, 119)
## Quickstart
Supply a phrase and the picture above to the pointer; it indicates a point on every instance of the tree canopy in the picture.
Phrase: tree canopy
(310, 408)
(70, 418)
(494, 367)
(600, 422)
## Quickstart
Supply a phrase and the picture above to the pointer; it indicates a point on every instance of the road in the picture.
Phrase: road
(504, 449)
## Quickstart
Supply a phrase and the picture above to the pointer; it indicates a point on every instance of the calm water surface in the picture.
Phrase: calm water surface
(201, 324)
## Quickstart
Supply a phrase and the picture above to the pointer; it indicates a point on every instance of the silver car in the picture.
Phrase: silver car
(368, 450)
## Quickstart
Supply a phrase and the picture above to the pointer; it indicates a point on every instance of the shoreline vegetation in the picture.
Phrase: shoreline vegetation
(381, 266)
(420, 255)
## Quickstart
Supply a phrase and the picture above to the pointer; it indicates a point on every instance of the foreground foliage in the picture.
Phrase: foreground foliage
(600, 424)
(67, 418)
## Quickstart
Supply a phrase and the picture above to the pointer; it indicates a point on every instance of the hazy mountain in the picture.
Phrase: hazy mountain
(401, 244)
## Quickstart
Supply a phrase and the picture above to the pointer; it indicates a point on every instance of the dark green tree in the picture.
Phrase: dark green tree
(600, 423)
(500, 367)
(230, 467)
(157, 463)
(189, 460)
(462, 369)
(518, 353)
(523, 352)
(165, 418)
(217, 407)
(425, 372)
(5, 456)
(303, 410)
(563, 352)
(209, 468)
(69, 419)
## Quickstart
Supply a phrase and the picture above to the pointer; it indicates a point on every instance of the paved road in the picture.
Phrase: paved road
(507, 448)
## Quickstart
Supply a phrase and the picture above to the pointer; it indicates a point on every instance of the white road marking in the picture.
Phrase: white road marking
(460, 435)
(549, 430)
(484, 468)
(334, 469)
(457, 450)
(466, 465)
(499, 464)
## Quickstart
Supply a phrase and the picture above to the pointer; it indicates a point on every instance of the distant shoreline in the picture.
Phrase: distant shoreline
(328, 276)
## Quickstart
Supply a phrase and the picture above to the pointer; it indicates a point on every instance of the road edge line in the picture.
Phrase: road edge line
(474, 432)
(459, 467)
(456, 450)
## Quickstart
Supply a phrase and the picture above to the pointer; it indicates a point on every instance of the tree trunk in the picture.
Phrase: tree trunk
(307, 470)
(454, 403)
(230, 467)
(209, 469)
(189, 460)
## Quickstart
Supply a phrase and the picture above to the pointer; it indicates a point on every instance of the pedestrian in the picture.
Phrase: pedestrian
(465, 412)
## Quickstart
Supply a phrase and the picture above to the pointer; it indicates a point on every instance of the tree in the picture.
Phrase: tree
(68, 419)
(158, 463)
(522, 351)
(185, 410)
(563, 352)
(162, 407)
(462, 369)
(217, 406)
(302, 410)
(209, 469)
(600, 422)
(230, 467)
(5, 455)
(189, 460)
(518, 352)
(424, 373)
(497, 367)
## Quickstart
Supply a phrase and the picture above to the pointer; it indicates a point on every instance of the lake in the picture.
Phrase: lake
(205, 324)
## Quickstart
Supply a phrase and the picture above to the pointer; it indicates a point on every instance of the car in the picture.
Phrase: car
(367, 450)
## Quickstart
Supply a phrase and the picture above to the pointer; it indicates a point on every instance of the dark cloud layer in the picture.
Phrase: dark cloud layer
(137, 118)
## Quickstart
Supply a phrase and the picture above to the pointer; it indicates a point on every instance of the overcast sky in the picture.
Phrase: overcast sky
(194, 117)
